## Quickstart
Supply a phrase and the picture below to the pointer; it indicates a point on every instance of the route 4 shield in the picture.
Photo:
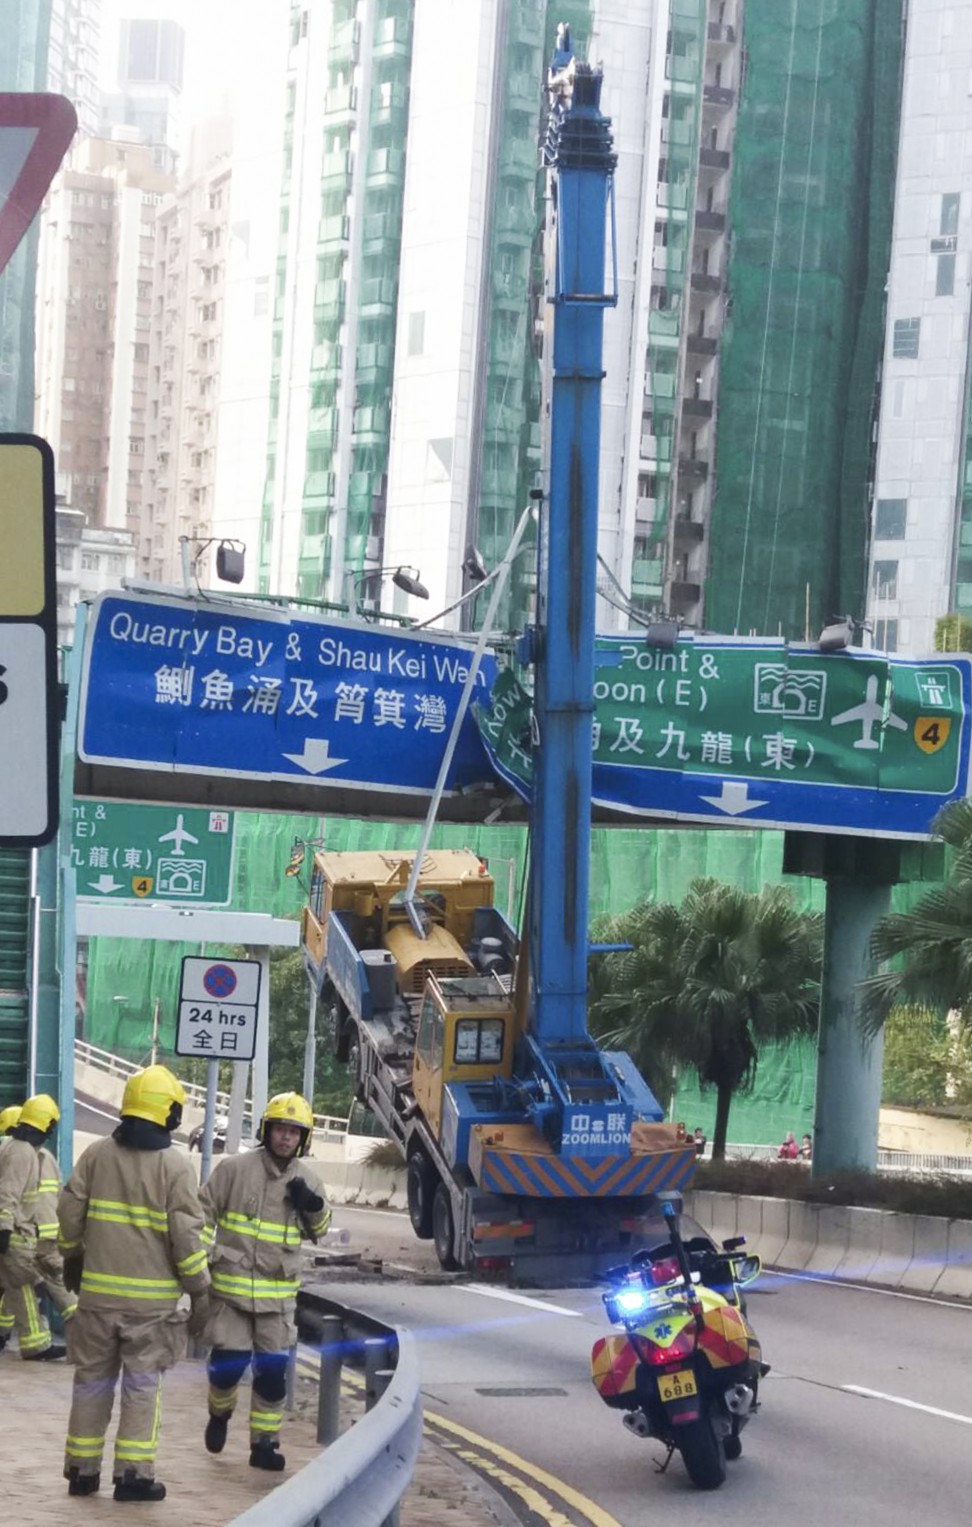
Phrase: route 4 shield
(931, 732)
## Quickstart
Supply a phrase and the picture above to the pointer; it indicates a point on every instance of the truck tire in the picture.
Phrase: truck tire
(420, 1182)
(443, 1228)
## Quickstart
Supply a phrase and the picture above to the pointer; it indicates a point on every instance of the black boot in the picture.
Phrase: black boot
(83, 1484)
(216, 1433)
(49, 1355)
(267, 1455)
(134, 1487)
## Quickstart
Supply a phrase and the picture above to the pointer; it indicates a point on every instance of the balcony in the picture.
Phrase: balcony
(523, 91)
(378, 227)
(688, 532)
(519, 157)
(326, 361)
(685, 594)
(377, 298)
(647, 573)
(701, 344)
(710, 222)
(514, 225)
(646, 510)
(714, 159)
(373, 362)
(722, 36)
(710, 285)
(345, 46)
(336, 170)
(696, 408)
(386, 167)
(333, 230)
(390, 39)
(719, 96)
(341, 101)
(692, 469)
(389, 105)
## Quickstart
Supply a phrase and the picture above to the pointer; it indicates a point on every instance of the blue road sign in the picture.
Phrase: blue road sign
(764, 734)
(219, 689)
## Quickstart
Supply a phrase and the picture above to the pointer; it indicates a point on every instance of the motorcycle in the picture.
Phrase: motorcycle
(687, 1368)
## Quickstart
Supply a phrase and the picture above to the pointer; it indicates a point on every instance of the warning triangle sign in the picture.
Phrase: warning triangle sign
(35, 131)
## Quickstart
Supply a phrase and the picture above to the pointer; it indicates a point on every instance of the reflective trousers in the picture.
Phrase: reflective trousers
(240, 1338)
(21, 1270)
(103, 1344)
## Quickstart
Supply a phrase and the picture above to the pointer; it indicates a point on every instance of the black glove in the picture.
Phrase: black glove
(73, 1268)
(303, 1198)
(5, 1241)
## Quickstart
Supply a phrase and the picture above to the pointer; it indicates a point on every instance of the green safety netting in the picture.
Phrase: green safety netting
(810, 219)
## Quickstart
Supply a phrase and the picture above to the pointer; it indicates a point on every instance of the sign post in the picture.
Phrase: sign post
(124, 853)
(218, 1003)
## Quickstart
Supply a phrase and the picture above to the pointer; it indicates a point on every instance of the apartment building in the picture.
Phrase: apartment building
(921, 541)
(93, 314)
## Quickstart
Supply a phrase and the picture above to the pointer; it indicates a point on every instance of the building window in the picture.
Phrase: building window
(885, 580)
(416, 333)
(905, 340)
(945, 276)
(886, 635)
(890, 519)
(90, 561)
(949, 220)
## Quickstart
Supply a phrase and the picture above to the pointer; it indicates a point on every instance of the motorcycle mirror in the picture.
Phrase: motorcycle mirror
(748, 1269)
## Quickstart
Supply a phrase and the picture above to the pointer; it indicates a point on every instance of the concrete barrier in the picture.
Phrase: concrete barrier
(801, 1240)
(864, 1233)
(957, 1275)
(930, 1255)
(897, 1249)
(833, 1229)
(775, 1230)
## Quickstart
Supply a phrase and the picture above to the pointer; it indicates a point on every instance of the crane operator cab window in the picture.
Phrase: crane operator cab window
(430, 1034)
(479, 1042)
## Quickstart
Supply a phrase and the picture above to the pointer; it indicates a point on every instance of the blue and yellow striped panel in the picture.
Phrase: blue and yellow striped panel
(531, 1175)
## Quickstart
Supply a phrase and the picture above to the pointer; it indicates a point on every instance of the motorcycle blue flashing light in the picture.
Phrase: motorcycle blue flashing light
(631, 1301)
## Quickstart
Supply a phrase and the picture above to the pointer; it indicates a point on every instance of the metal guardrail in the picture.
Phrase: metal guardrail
(361, 1478)
(912, 1163)
(116, 1065)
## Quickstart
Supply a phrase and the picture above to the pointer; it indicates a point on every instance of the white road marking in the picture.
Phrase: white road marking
(505, 1293)
(866, 1288)
(398, 1214)
(896, 1399)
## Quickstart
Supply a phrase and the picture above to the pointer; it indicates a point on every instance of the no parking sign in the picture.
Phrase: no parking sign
(218, 1008)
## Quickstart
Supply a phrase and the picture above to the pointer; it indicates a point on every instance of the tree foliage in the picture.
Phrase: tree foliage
(927, 1060)
(705, 984)
(927, 951)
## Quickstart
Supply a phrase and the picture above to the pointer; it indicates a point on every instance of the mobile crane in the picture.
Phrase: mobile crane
(527, 1146)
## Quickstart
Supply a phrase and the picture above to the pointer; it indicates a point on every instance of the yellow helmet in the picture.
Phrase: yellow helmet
(9, 1118)
(40, 1112)
(154, 1094)
(288, 1108)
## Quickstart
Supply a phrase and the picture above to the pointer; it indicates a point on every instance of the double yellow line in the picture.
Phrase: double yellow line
(542, 1493)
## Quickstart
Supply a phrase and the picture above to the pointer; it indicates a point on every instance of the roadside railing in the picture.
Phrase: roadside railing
(116, 1065)
(910, 1163)
(365, 1471)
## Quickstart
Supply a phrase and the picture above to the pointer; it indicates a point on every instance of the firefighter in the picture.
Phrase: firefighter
(20, 1179)
(9, 1117)
(132, 1239)
(261, 1206)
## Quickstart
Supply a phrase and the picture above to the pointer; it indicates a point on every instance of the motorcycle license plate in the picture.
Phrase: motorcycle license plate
(676, 1386)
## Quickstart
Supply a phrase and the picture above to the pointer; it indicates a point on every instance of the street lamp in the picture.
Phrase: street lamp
(404, 577)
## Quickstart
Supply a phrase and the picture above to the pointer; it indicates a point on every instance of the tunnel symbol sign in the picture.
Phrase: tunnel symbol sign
(220, 980)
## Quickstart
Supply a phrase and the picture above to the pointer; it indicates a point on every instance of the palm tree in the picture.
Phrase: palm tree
(706, 984)
(931, 944)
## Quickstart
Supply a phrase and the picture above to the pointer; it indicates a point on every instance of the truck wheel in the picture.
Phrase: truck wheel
(443, 1228)
(420, 1183)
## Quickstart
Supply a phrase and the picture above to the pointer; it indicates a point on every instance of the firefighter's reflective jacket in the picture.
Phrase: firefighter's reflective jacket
(41, 1204)
(256, 1257)
(136, 1216)
(20, 1175)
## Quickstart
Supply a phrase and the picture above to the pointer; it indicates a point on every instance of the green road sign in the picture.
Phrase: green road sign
(771, 734)
(171, 854)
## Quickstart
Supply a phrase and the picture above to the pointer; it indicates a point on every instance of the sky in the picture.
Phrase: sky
(216, 32)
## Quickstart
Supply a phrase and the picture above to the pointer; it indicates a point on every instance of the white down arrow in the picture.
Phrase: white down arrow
(315, 758)
(734, 800)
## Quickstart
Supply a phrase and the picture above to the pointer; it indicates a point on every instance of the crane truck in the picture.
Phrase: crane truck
(528, 1148)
